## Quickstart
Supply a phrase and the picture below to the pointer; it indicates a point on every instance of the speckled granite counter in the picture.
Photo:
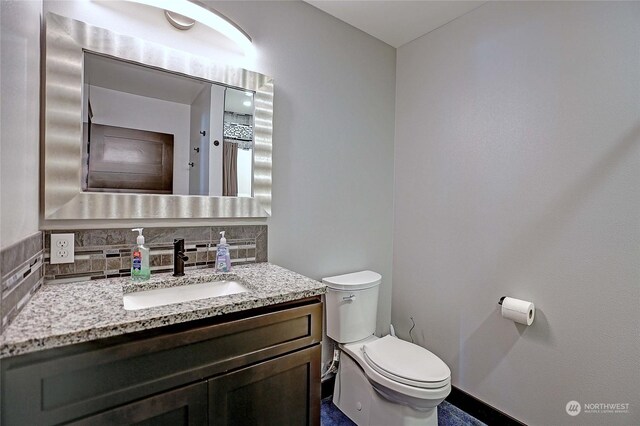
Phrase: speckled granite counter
(64, 314)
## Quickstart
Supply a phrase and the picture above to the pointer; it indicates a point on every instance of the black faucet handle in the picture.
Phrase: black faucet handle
(178, 257)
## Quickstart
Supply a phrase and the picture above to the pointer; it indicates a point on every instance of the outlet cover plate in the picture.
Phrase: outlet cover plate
(62, 248)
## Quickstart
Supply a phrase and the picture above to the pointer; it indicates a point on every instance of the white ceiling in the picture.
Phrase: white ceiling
(138, 80)
(131, 78)
(396, 22)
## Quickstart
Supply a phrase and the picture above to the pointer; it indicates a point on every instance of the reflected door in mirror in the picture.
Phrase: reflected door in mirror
(128, 160)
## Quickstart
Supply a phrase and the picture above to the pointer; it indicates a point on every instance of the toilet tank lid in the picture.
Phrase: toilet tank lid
(353, 281)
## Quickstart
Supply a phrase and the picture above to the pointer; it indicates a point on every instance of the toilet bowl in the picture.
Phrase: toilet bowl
(380, 381)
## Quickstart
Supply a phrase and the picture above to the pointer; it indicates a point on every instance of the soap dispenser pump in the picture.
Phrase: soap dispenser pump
(223, 258)
(140, 270)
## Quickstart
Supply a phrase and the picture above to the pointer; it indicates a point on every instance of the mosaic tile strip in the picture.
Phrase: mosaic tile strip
(21, 275)
(106, 253)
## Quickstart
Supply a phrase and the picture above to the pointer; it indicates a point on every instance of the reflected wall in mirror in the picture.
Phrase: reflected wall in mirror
(151, 131)
(114, 149)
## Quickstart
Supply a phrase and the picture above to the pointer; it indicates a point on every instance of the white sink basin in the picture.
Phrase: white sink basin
(184, 293)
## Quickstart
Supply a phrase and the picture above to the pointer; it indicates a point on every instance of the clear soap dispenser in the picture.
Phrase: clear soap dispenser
(140, 270)
(223, 257)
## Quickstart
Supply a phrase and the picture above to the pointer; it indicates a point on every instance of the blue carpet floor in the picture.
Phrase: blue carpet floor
(448, 415)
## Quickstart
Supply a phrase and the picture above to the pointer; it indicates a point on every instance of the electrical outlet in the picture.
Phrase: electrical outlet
(62, 248)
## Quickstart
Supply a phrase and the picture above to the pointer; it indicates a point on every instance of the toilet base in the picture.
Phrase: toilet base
(358, 400)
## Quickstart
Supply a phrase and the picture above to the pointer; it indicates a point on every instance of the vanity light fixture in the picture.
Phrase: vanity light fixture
(246, 103)
(199, 12)
(179, 21)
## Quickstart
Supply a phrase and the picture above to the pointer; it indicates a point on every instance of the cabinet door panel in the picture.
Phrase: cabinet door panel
(184, 406)
(282, 391)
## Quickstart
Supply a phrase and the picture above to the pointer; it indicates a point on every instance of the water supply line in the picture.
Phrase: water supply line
(392, 330)
(333, 367)
(411, 329)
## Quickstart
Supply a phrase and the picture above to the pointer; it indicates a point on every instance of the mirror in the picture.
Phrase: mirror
(155, 132)
(136, 130)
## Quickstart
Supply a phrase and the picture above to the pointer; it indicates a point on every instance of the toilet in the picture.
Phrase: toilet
(381, 380)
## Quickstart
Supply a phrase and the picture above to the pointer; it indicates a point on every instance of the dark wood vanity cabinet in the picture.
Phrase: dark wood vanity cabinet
(268, 393)
(183, 406)
(258, 367)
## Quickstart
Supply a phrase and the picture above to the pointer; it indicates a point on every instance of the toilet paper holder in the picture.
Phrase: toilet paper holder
(520, 311)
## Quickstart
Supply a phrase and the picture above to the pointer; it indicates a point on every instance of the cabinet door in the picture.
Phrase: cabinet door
(282, 391)
(183, 406)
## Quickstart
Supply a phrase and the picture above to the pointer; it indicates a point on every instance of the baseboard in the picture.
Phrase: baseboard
(479, 409)
(327, 386)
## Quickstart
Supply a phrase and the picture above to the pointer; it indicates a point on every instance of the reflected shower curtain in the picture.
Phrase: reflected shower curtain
(230, 169)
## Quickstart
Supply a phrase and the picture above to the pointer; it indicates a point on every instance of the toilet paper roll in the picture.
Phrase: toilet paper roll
(518, 310)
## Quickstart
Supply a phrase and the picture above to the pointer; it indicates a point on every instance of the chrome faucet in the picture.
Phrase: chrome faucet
(178, 257)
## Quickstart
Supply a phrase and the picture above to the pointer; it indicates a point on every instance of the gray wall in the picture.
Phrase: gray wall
(333, 141)
(19, 119)
(516, 157)
(333, 127)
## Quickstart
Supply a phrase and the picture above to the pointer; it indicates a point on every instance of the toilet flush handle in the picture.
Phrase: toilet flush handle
(349, 298)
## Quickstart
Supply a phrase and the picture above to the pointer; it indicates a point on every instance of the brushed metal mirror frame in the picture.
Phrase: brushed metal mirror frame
(66, 41)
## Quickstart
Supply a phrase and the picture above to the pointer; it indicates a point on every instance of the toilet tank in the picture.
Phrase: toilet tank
(352, 305)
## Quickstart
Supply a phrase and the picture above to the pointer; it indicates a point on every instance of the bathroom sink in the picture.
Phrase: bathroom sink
(179, 294)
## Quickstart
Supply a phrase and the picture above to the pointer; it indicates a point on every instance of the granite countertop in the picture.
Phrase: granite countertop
(64, 314)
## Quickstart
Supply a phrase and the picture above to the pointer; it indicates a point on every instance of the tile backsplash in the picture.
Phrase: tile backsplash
(106, 253)
(21, 275)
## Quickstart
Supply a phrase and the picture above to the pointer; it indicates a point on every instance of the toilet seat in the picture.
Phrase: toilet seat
(355, 351)
(406, 363)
